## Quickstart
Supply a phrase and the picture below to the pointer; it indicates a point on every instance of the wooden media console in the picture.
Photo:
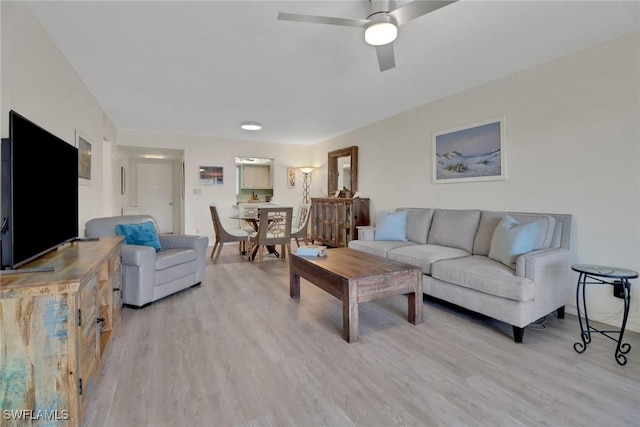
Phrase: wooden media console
(55, 328)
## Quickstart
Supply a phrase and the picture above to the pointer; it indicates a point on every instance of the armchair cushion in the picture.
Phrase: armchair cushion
(172, 257)
(143, 234)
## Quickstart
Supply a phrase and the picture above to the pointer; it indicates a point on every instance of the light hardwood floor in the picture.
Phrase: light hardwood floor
(238, 351)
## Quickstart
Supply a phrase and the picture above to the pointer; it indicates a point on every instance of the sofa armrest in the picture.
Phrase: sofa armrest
(138, 274)
(549, 269)
(534, 265)
(366, 232)
(199, 243)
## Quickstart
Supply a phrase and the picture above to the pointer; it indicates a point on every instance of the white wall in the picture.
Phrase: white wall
(573, 146)
(209, 151)
(38, 83)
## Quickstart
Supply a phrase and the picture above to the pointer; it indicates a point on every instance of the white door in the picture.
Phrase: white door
(155, 193)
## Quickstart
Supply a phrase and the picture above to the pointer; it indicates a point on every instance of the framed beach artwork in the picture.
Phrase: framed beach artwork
(211, 175)
(470, 153)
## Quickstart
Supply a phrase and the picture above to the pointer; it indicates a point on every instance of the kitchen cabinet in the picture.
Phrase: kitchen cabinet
(255, 177)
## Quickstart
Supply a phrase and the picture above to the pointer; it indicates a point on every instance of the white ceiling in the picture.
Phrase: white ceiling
(203, 67)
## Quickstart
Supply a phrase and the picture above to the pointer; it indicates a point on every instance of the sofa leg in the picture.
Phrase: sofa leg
(560, 312)
(197, 284)
(517, 334)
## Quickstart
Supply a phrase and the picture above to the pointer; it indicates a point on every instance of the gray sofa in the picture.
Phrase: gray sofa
(148, 275)
(453, 248)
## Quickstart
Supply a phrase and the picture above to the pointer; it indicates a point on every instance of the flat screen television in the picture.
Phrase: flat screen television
(39, 192)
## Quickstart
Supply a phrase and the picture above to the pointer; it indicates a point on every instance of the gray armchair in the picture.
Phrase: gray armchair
(148, 275)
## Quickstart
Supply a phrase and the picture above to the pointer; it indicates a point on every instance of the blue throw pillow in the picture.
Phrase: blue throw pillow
(144, 234)
(512, 239)
(392, 226)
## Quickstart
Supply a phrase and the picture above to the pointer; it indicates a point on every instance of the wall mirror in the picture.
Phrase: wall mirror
(343, 170)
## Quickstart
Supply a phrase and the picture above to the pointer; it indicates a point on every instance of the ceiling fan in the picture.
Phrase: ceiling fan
(381, 26)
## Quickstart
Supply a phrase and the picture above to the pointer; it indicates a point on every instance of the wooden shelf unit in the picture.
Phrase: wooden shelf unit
(334, 220)
(52, 339)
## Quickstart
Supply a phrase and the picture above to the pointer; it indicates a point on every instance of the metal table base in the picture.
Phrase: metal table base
(596, 274)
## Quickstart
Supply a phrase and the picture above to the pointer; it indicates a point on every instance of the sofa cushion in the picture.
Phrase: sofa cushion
(391, 226)
(512, 239)
(144, 234)
(489, 221)
(424, 256)
(418, 223)
(172, 257)
(487, 226)
(375, 247)
(454, 228)
(485, 275)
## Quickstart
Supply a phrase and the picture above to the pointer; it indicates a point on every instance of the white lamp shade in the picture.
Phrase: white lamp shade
(380, 33)
(306, 169)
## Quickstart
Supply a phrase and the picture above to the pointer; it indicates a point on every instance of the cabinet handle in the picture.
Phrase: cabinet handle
(116, 289)
(100, 319)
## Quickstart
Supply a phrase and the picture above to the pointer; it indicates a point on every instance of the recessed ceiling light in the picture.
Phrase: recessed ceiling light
(251, 126)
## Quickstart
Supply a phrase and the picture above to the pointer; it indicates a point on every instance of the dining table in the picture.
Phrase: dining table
(254, 221)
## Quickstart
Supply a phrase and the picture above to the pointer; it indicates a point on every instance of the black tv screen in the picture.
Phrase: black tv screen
(39, 192)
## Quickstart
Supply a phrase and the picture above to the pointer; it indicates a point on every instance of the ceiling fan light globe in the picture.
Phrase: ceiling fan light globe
(380, 34)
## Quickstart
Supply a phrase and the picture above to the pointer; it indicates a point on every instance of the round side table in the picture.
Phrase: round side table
(604, 275)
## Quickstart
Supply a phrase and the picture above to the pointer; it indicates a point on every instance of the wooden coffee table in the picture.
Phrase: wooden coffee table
(353, 277)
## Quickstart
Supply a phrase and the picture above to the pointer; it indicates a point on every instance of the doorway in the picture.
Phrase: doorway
(155, 193)
(151, 182)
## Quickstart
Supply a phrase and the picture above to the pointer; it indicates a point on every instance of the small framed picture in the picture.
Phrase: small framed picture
(84, 158)
(211, 175)
(291, 177)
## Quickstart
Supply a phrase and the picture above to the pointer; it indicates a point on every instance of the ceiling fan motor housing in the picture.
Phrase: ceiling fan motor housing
(381, 26)
(382, 30)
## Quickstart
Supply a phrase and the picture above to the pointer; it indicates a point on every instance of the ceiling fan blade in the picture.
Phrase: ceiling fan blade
(415, 9)
(349, 22)
(386, 58)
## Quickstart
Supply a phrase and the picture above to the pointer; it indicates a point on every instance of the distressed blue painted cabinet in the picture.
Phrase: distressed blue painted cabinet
(54, 329)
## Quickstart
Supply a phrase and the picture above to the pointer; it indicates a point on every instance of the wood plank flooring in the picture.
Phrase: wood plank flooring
(238, 351)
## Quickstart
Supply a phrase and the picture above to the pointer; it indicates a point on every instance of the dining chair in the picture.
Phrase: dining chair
(245, 211)
(301, 229)
(274, 228)
(226, 235)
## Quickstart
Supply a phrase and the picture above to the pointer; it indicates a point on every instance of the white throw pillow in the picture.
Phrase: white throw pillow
(512, 239)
